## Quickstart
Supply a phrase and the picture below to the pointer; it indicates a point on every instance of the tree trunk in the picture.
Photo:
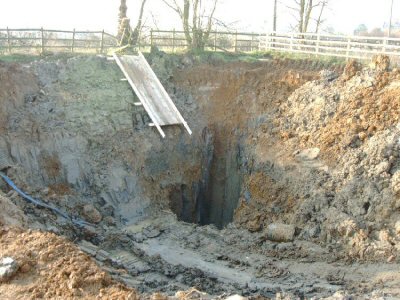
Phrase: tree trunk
(121, 16)
(307, 15)
(197, 34)
(206, 33)
(301, 16)
(319, 20)
(196, 30)
(275, 15)
(136, 32)
(185, 21)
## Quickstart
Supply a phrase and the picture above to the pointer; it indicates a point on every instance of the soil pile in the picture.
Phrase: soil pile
(51, 267)
(333, 172)
(345, 112)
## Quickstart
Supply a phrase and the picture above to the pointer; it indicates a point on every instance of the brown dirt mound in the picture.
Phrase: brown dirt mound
(53, 268)
(351, 69)
(270, 199)
(380, 62)
(369, 111)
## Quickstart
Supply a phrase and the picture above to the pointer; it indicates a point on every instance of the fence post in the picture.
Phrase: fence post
(272, 40)
(384, 42)
(151, 38)
(215, 40)
(317, 46)
(73, 41)
(236, 41)
(8, 40)
(348, 48)
(173, 40)
(291, 41)
(42, 47)
(102, 42)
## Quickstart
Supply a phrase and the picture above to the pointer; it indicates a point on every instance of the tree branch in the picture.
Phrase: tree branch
(174, 7)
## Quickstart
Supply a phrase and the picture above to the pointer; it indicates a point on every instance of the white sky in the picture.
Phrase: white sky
(251, 15)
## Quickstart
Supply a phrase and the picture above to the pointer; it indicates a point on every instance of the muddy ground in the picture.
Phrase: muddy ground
(288, 187)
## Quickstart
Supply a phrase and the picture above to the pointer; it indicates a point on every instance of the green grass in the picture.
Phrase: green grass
(18, 57)
(207, 56)
(199, 56)
(322, 58)
(203, 56)
(26, 58)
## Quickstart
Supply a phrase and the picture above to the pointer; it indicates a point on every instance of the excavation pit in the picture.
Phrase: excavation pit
(72, 136)
(212, 199)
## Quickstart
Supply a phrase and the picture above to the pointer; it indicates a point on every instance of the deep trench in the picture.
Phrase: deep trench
(214, 198)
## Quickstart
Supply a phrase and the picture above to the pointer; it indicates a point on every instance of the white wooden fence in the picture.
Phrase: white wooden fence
(358, 47)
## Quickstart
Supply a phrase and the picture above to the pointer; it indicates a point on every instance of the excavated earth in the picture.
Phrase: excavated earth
(289, 187)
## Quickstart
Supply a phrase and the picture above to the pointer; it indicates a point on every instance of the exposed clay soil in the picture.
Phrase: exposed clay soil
(288, 188)
(52, 267)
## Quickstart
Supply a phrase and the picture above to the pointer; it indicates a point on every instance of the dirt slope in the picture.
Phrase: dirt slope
(329, 164)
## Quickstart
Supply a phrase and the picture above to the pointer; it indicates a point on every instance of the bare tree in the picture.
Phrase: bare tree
(126, 35)
(197, 19)
(304, 10)
(136, 31)
(319, 19)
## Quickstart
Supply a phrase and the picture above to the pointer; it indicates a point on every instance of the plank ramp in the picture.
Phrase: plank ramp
(154, 98)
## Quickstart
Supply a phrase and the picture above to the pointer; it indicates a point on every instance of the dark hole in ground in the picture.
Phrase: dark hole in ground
(214, 198)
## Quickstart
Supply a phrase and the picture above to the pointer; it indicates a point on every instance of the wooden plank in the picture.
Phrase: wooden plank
(320, 53)
(25, 29)
(211, 32)
(138, 93)
(336, 42)
(16, 38)
(150, 91)
(166, 94)
(88, 31)
(275, 33)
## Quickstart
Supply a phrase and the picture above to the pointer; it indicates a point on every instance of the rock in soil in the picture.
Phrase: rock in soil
(92, 214)
(280, 232)
(8, 268)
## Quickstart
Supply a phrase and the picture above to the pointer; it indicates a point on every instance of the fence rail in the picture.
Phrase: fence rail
(175, 40)
(359, 47)
(23, 40)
